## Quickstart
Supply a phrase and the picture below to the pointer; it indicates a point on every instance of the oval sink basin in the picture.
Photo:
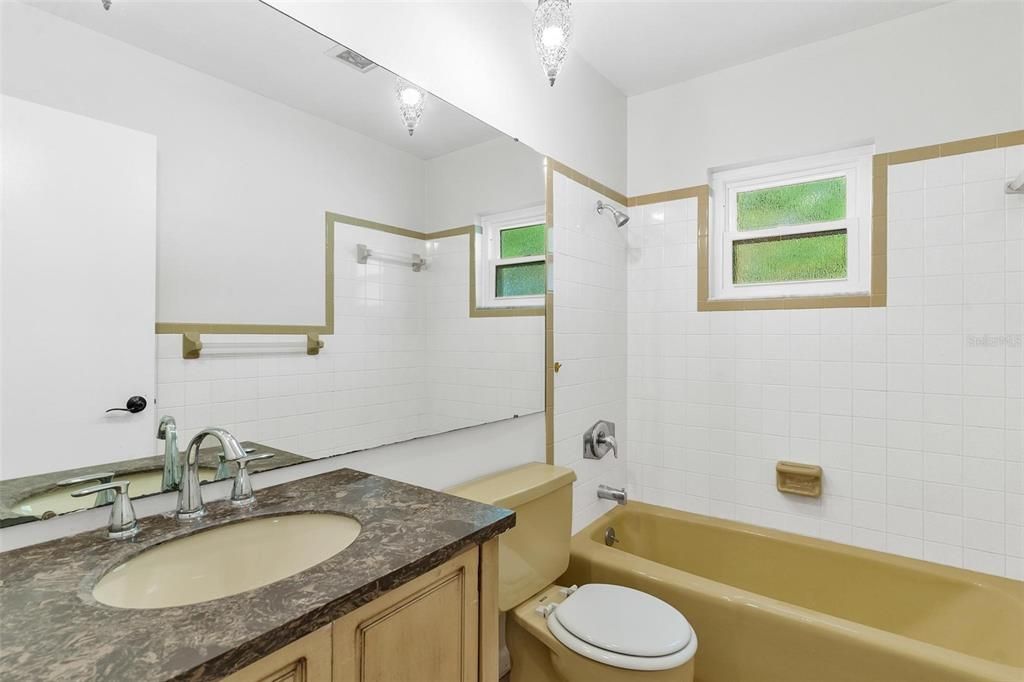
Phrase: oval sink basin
(225, 560)
(59, 500)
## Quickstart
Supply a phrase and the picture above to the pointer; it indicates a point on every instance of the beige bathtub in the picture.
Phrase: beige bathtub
(771, 606)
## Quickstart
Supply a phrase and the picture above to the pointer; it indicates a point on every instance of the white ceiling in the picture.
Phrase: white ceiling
(640, 46)
(253, 46)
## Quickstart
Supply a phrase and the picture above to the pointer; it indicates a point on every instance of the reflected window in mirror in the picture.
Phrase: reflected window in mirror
(511, 259)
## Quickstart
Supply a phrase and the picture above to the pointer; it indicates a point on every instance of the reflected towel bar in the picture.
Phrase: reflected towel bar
(364, 253)
(192, 345)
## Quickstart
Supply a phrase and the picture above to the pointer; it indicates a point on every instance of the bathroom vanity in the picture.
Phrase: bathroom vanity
(411, 596)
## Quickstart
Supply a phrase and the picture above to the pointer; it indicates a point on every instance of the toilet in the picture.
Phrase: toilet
(553, 633)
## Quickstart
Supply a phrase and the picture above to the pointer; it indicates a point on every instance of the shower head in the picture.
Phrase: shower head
(620, 217)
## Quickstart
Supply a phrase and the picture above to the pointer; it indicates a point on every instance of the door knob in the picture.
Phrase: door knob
(134, 405)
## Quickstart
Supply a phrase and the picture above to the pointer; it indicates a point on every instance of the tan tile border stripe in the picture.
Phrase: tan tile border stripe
(575, 175)
(549, 315)
(330, 218)
(954, 148)
(670, 195)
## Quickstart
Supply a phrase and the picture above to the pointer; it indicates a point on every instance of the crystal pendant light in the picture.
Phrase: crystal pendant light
(410, 103)
(552, 28)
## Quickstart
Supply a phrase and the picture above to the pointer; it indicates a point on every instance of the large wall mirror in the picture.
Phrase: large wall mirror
(331, 259)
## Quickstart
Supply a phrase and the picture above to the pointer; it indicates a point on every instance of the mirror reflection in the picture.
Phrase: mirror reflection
(332, 258)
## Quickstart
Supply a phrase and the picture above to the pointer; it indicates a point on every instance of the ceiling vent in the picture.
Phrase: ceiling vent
(351, 58)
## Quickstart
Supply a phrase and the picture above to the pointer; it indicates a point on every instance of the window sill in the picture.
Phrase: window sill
(510, 311)
(792, 302)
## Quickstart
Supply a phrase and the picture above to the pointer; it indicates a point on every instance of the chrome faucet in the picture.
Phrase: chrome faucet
(167, 431)
(190, 499)
(122, 524)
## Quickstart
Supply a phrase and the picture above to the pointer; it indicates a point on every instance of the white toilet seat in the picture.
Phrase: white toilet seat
(623, 628)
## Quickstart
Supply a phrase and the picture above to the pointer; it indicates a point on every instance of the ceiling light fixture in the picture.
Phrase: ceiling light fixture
(552, 29)
(410, 103)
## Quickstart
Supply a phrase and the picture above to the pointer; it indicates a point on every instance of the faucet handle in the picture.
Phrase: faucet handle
(222, 463)
(123, 523)
(609, 441)
(104, 497)
(100, 476)
(599, 440)
(241, 489)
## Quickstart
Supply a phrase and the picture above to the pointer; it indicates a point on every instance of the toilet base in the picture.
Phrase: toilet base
(538, 657)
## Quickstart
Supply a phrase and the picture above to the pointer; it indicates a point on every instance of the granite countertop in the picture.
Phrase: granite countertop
(14, 490)
(53, 629)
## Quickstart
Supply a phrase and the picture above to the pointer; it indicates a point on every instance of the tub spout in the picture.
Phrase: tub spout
(618, 495)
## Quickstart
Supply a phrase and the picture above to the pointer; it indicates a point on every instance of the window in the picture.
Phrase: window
(511, 258)
(793, 228)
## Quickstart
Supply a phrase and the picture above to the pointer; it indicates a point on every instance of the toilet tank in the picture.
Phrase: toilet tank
(534, 553)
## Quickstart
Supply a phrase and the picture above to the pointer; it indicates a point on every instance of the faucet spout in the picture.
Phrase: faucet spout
(190, 498)
(167, 431)
(617, 495)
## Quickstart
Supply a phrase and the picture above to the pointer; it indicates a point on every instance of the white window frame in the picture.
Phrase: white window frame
(488, 256)
(854, 164)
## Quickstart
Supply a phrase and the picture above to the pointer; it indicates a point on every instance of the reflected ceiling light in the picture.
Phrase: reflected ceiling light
(552, 29)
(410, 103)
(106, 4)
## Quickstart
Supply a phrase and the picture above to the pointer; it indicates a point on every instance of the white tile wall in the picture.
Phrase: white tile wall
(590, 340)
(915, 411)
(478, 369)
(405, 361)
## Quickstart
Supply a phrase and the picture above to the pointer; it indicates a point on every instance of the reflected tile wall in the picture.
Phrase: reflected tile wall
(405, 361)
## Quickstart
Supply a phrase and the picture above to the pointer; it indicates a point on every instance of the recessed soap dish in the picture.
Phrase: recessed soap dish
(798, 479)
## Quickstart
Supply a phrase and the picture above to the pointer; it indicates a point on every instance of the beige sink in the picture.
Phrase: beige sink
(59, 500)
(225, 560)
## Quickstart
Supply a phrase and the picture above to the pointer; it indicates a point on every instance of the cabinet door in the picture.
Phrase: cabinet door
(304, 660)
(425, 631)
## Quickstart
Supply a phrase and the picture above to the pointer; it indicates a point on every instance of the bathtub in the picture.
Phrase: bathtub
(771, 606)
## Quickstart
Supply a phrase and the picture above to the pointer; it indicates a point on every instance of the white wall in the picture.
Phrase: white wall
(915, 411)
(492, 177)
(590, 340)
(947, 73)
(240, 176)
(480, 57)
(436, 462)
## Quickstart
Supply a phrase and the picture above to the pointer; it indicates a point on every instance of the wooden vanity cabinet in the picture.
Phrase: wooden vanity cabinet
(439, 627)
(304, 660)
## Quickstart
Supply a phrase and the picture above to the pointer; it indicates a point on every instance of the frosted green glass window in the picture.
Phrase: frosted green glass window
(818, 201)
(519, 279)
(511, 259)
(792, 229)
(518, 242)
(819, 256)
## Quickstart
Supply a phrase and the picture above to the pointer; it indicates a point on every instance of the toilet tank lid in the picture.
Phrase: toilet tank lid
(515, 487)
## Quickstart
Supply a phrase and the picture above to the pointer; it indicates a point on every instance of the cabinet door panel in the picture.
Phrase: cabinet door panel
(425, 631)
(304, 660)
